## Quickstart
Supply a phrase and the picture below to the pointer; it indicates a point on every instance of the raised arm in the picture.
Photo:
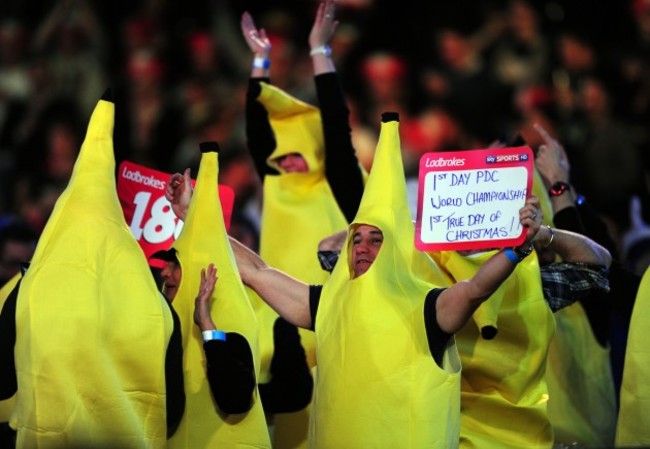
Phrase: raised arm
(457, 303)
(553, 165)
(320, 35)
(342, 168)
(573, 247)
(229, 359)
(288, 296)
(259, 134)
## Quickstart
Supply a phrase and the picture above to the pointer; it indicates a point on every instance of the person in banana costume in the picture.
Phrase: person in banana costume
(388, 372)
(93, 340)
(203, 241)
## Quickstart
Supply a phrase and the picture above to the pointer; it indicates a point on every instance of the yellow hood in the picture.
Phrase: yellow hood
(297, 127)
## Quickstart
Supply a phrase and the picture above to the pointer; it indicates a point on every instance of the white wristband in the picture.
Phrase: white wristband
(322, 50)
(213, 335)
(261, 63)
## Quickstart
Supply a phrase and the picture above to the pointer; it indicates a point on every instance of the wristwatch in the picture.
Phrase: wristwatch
(522, 253)
(559, 188)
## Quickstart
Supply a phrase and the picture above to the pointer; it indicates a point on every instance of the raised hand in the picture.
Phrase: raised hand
(178, 192)
(551, 159)
(530, 217)
(202, 316)
(257, 40)
(324, 24)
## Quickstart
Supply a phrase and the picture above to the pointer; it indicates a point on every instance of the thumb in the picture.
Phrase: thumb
(187, 178)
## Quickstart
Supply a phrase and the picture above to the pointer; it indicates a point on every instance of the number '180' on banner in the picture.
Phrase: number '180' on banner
(141, 192)
(471, 199)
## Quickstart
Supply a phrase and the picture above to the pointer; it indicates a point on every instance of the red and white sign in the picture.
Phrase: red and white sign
(471, 199)
(141, 192)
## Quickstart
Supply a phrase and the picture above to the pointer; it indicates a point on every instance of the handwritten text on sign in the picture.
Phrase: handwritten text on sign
(471, 199)
(141, 192)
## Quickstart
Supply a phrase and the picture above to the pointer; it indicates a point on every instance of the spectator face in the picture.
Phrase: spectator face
(171, 275)
(366, 242)
(293, 163)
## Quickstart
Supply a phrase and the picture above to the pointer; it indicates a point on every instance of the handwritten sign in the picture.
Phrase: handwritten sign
(141, 192)
(471, 199)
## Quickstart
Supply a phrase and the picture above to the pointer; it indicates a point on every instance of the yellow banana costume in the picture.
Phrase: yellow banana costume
(299, 211)
(7, 406)
(633, 427)
(202, 241)
(582, 400)
(377, 384)
(503, 390)
(92, 327)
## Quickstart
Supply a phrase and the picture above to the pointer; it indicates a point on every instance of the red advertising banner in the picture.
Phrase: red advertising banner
(141, 192)
(470, 200)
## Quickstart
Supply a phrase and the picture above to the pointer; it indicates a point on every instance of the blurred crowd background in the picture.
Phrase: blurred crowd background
(462, 74)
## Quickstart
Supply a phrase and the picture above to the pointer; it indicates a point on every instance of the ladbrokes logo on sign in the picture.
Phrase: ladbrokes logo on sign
(150, 217)
(136, 176)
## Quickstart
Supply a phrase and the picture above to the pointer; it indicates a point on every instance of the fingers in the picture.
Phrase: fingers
(542, 132)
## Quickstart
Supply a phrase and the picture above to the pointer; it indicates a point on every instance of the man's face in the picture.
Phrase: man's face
(293, 163)
(171, 275)
(366, 242)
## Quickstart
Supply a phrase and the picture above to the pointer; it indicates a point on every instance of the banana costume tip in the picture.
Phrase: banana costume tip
(108, 95)
(209, 147)
(390, 117)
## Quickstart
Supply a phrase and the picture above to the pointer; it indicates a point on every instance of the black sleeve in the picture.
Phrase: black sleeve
(259, 134)
(314, 299)
(436, 337)
(291, 385)
(231, 373)
(174, 380)
(8, 379)
(341, 165)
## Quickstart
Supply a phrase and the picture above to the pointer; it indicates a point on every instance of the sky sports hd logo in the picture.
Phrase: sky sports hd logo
(496, 159)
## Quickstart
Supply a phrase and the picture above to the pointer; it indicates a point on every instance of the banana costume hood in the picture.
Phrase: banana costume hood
(92, 327)
(378, 384)
(202, 241)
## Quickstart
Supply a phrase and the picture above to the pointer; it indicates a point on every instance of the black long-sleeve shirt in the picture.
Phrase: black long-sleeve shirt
(291, 385)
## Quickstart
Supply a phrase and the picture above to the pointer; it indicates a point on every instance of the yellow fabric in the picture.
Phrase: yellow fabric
(92, 327)
(297, 127)
(539, 190)
(633, 428)
(299, 211)
(503, 389)
(377, 384)
(202, 241)
(582, 400)
(7, 406)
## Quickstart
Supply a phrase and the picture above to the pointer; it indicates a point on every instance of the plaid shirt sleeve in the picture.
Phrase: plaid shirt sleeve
(564, 283)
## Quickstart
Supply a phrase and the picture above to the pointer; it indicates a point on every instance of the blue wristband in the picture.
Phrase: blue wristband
(510, 254)
(261, 63)
(213, 335)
